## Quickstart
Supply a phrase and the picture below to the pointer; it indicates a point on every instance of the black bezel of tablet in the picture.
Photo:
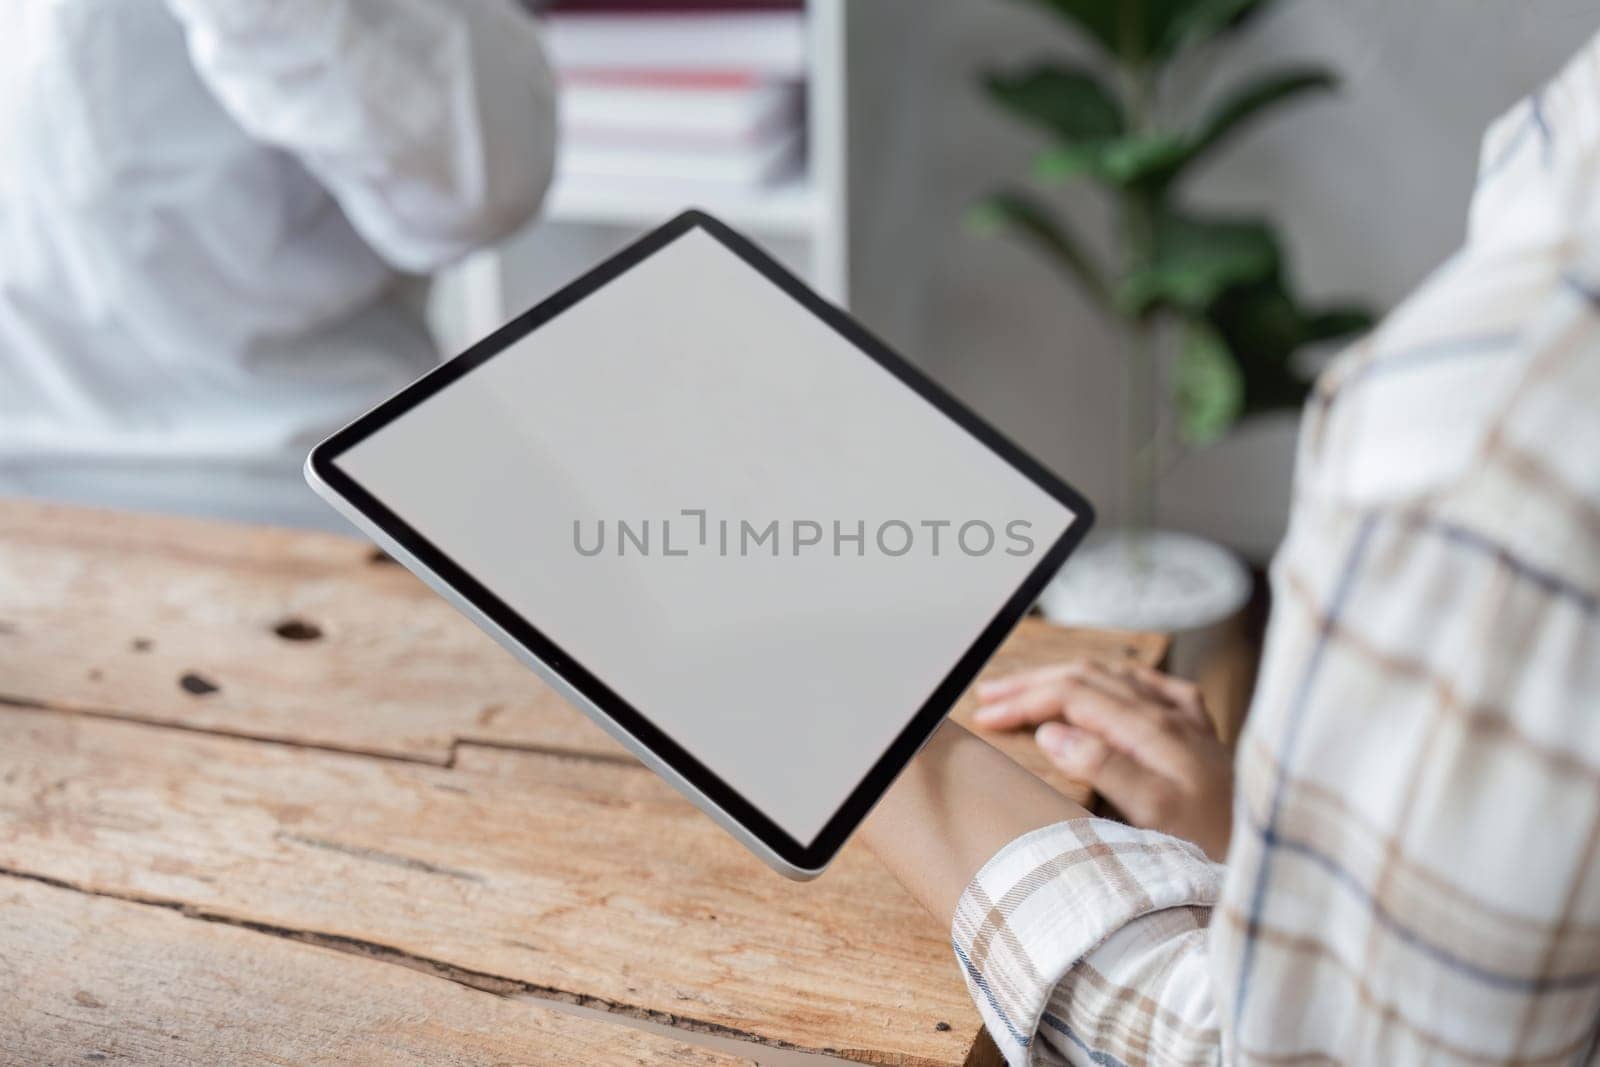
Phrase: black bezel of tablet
(807, 856)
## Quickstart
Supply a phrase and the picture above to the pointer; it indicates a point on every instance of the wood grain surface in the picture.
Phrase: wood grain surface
(89, 980)
(562, 877)
(288, 635)
(276, 732)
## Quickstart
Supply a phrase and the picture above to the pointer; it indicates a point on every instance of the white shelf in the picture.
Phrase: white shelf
(789, 208)
(810, 210)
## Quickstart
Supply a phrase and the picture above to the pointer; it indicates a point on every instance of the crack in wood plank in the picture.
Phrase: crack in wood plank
(447, 762)
(391, 859)
(618, 759)
(106, 715)
(482, 981)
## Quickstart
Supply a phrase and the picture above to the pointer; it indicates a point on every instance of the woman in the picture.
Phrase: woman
(205, 209)
(1413, 850)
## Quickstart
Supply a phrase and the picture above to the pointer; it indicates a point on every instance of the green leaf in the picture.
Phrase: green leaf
(1086, 120)
(1207, 386)
(1337, 323)
(1249, 101)
(1124, 161)
(1264, 326)
(1092, 147)
(1068, 102)
(1195, 260)
(1017, 212)
(1136, 31)
(1100, 19)
(1198, 21)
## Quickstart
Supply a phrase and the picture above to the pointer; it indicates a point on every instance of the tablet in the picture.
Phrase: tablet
(756, 546)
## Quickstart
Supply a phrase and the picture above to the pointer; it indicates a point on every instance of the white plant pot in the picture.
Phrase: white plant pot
(1159, 580)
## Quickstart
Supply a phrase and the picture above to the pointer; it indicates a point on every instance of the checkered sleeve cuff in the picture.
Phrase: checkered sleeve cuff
(1048, 899)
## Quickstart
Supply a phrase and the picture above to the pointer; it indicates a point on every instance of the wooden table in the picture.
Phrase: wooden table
(263, 798)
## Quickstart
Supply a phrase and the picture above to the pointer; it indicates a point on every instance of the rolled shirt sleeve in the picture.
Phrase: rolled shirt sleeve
(1088, 936)
(431, 122)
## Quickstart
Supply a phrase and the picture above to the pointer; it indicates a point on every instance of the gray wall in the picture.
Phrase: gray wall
(1371, 187)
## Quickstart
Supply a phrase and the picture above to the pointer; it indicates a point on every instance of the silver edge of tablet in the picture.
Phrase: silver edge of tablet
(554, 680)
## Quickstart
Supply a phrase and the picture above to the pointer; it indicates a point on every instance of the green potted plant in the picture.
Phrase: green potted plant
(1207, 313)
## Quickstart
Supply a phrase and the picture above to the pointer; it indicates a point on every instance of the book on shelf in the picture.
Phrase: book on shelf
(705, 93)
(759, 163)
(746, 36)
(659, 6)
(708, 110)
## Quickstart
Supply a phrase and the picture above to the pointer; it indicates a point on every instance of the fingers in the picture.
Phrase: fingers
(1013, 684)
(1037, 696)
(1138, 792)
(1027, 698)
(1024, 699)
(1028, 707)
(1182, 694)
(1141, 729)
(1146, 714)
(1148, 682)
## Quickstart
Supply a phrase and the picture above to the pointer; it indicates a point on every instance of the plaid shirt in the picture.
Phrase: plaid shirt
(1415, 872)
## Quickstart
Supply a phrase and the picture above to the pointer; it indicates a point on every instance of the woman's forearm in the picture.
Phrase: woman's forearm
(952, 809)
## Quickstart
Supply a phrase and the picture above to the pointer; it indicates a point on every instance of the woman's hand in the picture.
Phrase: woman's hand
(1143, 739)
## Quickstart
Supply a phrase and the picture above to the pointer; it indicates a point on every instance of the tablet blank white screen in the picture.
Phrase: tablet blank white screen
(694, 384)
